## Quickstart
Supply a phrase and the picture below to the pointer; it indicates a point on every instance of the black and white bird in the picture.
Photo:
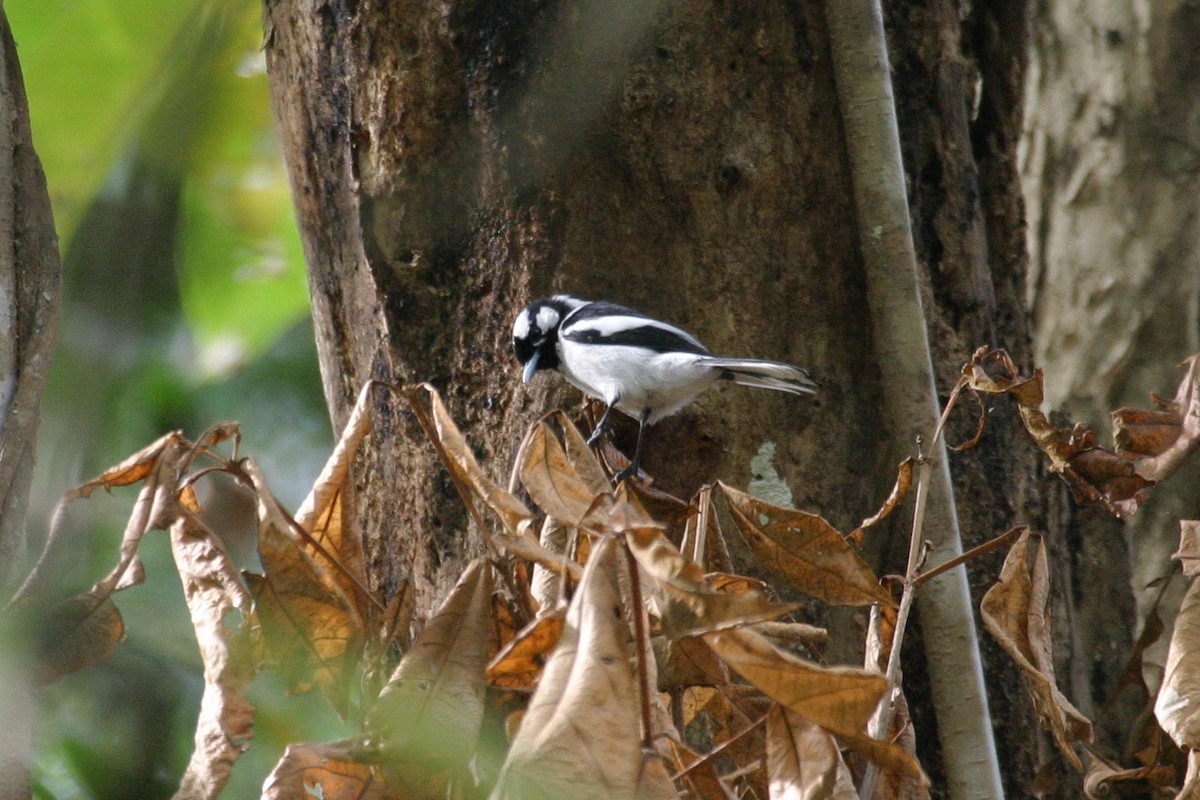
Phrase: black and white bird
(633, 363)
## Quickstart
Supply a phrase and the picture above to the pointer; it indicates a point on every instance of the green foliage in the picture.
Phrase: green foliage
(180, 89)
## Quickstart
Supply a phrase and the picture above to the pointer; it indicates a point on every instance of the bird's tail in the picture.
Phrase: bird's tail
(763, 374)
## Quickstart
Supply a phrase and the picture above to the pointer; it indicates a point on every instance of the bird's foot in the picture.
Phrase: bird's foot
(600, 430)
(632, 471)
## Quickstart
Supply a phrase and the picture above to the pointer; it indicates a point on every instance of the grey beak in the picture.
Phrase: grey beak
(530, 368)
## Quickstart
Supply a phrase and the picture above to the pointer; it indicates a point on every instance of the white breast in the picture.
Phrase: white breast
(635, 379)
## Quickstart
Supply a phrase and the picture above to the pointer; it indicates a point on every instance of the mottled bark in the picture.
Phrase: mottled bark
(1109, 163)
(452, 160)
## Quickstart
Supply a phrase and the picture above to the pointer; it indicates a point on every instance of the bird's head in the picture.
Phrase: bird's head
(535, 333)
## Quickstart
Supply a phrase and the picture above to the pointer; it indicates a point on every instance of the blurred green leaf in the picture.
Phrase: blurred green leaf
(184, 87)
(93, 72)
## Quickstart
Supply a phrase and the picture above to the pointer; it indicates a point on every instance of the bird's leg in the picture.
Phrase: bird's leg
(635, 465)
(602, 425)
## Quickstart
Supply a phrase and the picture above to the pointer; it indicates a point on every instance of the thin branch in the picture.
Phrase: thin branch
(862, 73)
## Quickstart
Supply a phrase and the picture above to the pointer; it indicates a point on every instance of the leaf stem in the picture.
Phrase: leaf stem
(643, 644)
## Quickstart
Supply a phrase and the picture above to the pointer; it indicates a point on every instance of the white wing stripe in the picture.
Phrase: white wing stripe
(609, 325)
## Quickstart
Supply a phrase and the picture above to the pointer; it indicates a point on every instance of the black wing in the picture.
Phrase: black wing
(608, 323)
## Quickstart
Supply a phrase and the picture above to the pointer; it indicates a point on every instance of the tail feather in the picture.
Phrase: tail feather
(764, 374)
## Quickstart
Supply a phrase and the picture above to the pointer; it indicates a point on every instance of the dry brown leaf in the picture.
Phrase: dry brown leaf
(328, 771)
(552, 481)
(881, 630)
(220, 606)
(1094, 474)
(215, 598)
(580, 737)
(667, 509)
(734, 584)
(427, 719)
(793, 632)
(839, 699)
(312, 628)
(805, 551)
(1161, 440)
(519, 664)
(1191, 783)
(711, 705)
(79, 632)
(473, 484)
(803, 761)
(464, 468)
(689, 605)
(686, 662)
(138, 466)
(1015, 611)
(1189, 547)
(160, 466)
(654, 781)
(1178, 701)
(582, 459)
(698, 774)
(1102, 774)
(321, 517)
(893, 785)
(904, 476)
(546, 587)
(83, 630)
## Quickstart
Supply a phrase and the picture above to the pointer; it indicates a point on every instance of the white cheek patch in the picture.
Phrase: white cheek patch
(521, 326)
(547, 319)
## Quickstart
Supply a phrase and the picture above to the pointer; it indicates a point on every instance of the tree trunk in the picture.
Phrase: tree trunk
(30, 288)
(451, 161)
(1109, 162)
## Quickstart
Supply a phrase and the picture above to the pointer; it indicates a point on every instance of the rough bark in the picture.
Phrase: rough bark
(30, 283)
(451, 160)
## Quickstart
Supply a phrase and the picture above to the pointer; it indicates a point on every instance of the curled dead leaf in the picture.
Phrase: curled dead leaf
(456, 454)
(1162, 439)
(689, 604)
(1151, 444)
(1015, 611)
(1102, 776)
(1178, 704)
(904, 476)
(552, 480)
(215, 598)
(1189, 547)
(326, 534)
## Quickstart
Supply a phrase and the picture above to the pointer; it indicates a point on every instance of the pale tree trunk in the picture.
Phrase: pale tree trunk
(30, 288)
(450, 161)
(1110, 160)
